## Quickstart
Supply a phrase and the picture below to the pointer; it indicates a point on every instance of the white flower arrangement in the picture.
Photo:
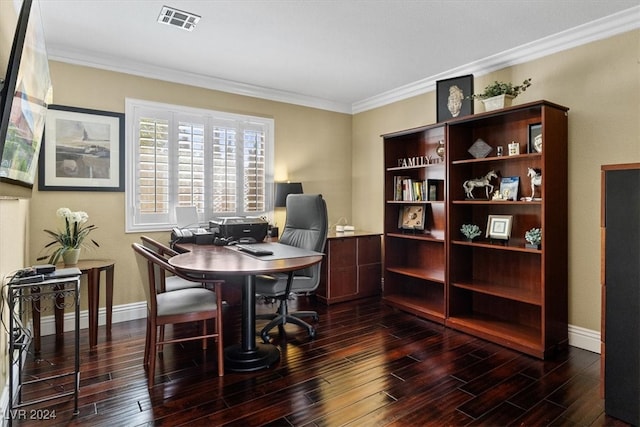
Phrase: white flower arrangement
(72, 235)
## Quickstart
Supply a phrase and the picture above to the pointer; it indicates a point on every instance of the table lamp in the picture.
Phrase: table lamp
(283, 189)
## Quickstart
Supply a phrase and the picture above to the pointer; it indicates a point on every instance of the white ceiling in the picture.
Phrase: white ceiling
(340, 55)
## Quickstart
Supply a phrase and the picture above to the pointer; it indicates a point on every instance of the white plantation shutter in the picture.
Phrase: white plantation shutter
(191, 165)
(177, 156)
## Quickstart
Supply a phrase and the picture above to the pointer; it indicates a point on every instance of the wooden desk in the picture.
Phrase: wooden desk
(209, 260)
(352, 268)
(92, 268)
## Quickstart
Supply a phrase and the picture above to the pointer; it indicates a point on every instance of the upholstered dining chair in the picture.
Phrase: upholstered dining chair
(306, 227)
(167, 282)
(184, 305)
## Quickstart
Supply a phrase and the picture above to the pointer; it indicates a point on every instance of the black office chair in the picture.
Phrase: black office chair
(305, 227)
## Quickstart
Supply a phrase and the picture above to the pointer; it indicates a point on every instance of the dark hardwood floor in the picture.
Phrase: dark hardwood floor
(370, 365)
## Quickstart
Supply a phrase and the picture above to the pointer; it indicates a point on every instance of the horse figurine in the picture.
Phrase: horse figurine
(536, 180)
(470, 184)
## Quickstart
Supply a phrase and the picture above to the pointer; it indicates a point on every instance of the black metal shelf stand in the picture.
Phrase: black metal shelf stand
(21, 298)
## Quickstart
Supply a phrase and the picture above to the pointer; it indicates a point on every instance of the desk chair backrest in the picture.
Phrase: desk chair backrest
(306, 227)
(163, 251)
(150, 265)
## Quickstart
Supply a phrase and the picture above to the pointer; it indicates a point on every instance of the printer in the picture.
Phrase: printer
(239, 228)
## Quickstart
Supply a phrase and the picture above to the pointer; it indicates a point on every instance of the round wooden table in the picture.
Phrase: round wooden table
(208, 260)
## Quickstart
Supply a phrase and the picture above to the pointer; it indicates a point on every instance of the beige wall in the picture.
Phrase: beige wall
(312, 146)
(341, 156)
(600, 83)
(14, 232)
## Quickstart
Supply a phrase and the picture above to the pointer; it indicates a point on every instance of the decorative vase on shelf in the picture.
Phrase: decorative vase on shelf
(70, 256)
(440, 149)
(497, 102)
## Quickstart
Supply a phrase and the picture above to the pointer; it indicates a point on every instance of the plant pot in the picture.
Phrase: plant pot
(532, 246)
(71, 256)
(497, 102)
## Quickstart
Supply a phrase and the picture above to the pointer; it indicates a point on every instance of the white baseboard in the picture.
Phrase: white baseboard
(121, 313)
(585, 339)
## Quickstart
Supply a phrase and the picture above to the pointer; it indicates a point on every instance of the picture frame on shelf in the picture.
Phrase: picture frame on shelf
(412, 217)
(499, 227)
(432, 189)
(83, 150)
(453, 97)
(509, 188)
(534, 144)
(480, 149)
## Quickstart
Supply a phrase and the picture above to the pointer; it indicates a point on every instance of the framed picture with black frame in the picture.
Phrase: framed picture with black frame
(83, 150)
(453, 97)
(412, 217)
(535, 138)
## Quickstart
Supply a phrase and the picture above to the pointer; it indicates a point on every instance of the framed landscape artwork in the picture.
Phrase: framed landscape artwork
(83, 150)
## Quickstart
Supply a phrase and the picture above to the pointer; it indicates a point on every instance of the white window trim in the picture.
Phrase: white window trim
(131, 105)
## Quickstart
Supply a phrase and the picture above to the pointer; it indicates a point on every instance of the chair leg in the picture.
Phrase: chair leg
(220, 344)
(311, 314)
(204, 332)
(297, 321)
(161, 347)
(278, 320)
(147, 339)
(152, 355)
(282, 317)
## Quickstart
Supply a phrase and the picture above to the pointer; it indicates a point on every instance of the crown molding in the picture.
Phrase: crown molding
(618, 23)
(56, 53)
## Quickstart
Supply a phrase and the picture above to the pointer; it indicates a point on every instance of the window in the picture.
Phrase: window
(221, 163)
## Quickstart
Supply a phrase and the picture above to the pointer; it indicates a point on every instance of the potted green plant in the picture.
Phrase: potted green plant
(470, 231)
(500, 94)
(70, 239)
(533, 238)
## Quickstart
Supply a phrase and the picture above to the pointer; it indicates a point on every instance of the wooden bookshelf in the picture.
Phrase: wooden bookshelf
(498, 290)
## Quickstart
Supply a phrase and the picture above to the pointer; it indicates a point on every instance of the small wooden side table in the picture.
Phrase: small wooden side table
(92, 268)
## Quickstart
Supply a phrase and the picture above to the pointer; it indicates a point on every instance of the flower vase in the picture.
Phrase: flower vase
(71, 256)
(497, 102)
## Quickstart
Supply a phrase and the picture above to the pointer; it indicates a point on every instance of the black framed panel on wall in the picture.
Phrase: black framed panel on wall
(453, 97)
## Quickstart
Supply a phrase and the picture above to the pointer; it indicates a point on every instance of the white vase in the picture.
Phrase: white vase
(71, 256)
(497, 102)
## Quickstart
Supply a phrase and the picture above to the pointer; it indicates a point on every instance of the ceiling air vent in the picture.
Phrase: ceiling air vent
(178, 18)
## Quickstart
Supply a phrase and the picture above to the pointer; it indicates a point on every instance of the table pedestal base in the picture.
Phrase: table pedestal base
(261, 357)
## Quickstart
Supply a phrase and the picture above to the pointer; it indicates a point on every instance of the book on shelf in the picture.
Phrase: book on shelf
(509, 187)
(410, 190)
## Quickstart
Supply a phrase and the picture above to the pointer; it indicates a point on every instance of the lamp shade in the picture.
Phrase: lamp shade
(283, 189)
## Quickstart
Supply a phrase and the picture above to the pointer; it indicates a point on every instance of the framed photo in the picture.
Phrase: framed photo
(453, 97)
(499, 227)
(509, 188)
(412, 217)
(535, 138)
(83, 150)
